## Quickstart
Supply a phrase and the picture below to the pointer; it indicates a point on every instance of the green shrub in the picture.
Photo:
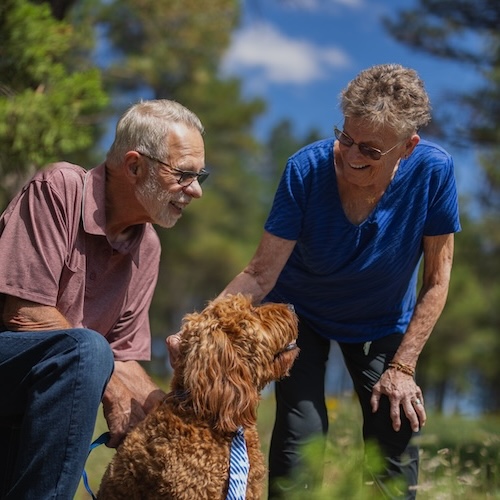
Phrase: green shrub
(459, 457)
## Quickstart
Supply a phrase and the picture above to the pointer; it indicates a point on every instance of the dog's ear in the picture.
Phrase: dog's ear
(216, 378)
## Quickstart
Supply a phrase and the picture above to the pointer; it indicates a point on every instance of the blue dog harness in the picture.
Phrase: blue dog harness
(239, 467)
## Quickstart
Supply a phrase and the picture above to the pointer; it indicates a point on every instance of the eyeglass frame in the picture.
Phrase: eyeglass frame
(184, 175)
(364, 149)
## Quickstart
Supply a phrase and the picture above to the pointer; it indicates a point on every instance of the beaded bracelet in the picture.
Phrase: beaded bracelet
(400, 367)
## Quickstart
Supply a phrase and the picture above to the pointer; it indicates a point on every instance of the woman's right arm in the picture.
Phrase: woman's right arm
(257, 279)
(260, 275)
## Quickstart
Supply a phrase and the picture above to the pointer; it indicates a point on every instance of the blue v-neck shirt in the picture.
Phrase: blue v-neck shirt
(355, 283)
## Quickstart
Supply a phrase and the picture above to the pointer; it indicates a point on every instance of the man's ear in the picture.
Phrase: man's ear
(133, 166)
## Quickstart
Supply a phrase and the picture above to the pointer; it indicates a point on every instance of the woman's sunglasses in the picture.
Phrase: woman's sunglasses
(373, 153)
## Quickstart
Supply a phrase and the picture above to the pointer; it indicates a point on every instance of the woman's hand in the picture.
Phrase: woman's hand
(402, 392)
(173, 343)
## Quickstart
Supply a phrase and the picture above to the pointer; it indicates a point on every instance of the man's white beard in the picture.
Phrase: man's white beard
(156, 201)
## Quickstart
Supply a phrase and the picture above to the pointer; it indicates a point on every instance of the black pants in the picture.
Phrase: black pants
(301, 414)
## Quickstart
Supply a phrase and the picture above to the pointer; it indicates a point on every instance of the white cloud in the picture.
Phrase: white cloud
(322, 5)
(277, 58)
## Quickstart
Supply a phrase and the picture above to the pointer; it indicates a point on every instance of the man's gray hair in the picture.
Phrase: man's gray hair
(145, 126)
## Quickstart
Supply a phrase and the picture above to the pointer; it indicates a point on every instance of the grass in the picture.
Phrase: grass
(460, 457)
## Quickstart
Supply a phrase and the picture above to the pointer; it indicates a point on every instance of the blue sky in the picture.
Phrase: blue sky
(299, 54)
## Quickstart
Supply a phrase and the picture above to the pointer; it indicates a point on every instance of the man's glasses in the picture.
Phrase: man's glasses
(183, 177)
(373, 153)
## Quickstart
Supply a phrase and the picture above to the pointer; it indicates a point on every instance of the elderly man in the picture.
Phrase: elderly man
(78, 268)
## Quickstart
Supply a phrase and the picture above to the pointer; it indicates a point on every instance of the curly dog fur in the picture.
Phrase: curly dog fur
(228, 353)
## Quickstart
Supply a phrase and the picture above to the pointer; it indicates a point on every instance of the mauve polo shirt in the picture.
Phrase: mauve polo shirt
(54, 251)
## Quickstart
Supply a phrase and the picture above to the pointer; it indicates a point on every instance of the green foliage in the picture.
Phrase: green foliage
(46, 111)
(452, 29)
(282, 143)
(459, 459)
(166, 44)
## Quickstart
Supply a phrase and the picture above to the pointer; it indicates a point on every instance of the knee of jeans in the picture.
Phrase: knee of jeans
(96, 348)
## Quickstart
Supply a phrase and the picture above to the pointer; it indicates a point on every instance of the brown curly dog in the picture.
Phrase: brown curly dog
(228, 353)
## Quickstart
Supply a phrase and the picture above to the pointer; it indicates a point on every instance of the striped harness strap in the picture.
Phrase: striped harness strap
(238, 467)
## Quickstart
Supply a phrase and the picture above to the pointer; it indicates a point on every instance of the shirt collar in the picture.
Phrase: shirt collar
(94, 211)
(94, 201)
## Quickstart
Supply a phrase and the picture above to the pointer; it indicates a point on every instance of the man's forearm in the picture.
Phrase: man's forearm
(26, 316)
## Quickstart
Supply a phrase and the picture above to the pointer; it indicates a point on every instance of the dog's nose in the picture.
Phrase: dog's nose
(290, 306)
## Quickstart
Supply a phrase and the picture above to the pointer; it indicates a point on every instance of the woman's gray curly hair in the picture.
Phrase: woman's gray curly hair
(388, 95)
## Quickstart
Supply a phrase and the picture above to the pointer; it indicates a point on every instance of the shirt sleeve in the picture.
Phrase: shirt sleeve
(443, 210)
(35, 235)
(287, 212)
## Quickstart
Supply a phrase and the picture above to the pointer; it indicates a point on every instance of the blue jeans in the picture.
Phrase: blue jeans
(51, 385)
(301, 416)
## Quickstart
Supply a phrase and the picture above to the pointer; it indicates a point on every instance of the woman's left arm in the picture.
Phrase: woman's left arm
(397, 385)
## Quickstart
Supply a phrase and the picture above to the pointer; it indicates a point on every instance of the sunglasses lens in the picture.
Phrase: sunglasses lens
(368, 151)
(372, 153)
(202, 177)
(186, 179)
(344, 139)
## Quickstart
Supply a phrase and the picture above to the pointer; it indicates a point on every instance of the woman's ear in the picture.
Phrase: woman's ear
(411, 143)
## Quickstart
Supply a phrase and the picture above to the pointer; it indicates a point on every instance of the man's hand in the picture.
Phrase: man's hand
(129, 396)
(121, 411)
(402, 391)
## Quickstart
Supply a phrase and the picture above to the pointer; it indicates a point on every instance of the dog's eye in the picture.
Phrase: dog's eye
(290, 347)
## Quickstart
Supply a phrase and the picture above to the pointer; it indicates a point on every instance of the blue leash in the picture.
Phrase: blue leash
(102, 439)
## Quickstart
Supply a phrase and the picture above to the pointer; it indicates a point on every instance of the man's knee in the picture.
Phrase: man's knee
(94, 352)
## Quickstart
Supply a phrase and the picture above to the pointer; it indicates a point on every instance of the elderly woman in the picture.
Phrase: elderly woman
(350, 222)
